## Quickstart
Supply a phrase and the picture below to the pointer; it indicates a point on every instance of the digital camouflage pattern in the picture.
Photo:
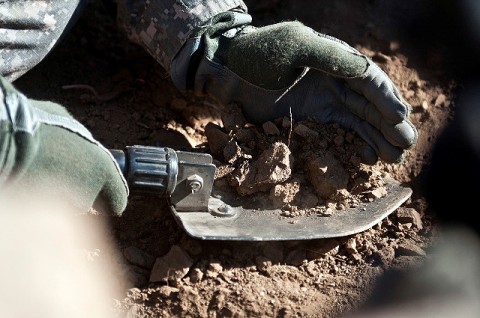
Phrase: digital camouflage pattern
(29, 29)
(163, 26)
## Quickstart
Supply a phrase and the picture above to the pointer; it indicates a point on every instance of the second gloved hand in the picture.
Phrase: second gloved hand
(288, 67)
(45, 152)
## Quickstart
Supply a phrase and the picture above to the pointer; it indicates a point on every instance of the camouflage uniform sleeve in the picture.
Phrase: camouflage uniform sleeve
(29, 29)
(162, 27)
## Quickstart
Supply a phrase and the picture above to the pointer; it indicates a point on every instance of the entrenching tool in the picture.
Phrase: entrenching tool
(186, 180)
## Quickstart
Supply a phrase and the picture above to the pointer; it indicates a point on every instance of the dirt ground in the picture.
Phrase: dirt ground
(129, 100)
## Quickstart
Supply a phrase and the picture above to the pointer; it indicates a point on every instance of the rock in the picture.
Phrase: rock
(134, 293)
(263, 264)
(272, 167)
(409, 215)
(173, 266)
(305, 132)
(167, 291)
(440, 100)
(282, 194)
(351, 246)
(245, 136)
(410, 249)
(214, 269)
(270, 129)
(326, 174)
(217, 140)
(312, 269)
(410, 93)
(425, 105)
(377, 192)
(196, 275)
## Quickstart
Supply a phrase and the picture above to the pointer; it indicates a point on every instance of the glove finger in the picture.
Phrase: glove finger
(385, 150)
(373, 96)
(379, 90)
(403, 134)
(337, 58)
(368, 155)
(112, 198)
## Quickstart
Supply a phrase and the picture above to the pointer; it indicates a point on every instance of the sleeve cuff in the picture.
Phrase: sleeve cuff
(163, 27)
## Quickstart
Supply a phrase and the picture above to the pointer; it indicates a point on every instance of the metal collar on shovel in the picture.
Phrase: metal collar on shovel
(186, 180)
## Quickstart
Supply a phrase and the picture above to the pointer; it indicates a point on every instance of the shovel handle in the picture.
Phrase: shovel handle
(148, 170)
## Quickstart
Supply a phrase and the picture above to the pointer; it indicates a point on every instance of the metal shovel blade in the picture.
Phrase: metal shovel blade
(224, 222)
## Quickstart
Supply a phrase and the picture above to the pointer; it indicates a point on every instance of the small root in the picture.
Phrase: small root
(98, 97)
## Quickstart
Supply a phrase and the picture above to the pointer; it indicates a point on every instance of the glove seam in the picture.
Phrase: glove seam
(223, 68)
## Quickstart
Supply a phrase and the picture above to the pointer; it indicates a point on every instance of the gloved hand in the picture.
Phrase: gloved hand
(287, 67)
(45, 150)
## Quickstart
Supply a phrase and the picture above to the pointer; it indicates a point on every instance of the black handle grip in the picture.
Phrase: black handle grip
(148, 170)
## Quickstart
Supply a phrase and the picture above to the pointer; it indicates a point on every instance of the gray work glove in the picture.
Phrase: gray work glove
(287, 67)
(44, 150)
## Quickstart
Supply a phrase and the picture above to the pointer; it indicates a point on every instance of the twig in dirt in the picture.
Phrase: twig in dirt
(99, 97)
(143, 125)
(291, 127)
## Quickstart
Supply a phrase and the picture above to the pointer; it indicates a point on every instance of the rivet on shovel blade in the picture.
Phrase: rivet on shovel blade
(219, 208)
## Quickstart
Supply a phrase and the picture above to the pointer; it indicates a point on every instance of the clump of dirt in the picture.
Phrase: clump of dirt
(304, 168)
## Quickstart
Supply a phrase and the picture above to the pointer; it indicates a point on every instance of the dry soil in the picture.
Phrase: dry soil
(125, 98)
